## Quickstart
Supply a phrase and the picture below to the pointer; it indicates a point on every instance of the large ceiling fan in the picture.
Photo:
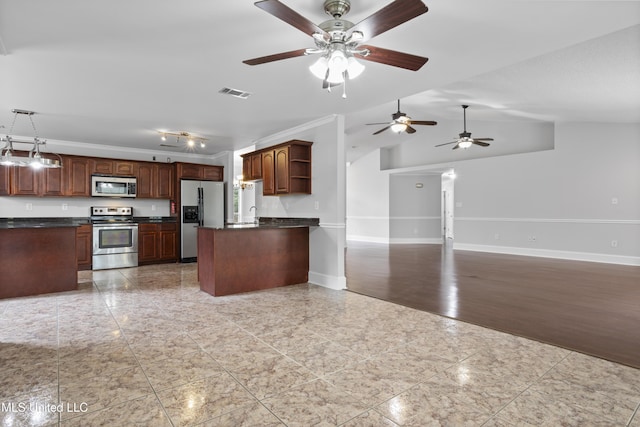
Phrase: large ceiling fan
(465, 140)
(338, 41)
(402, 123)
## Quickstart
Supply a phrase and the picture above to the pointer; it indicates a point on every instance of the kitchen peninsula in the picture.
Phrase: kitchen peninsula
(250, 257)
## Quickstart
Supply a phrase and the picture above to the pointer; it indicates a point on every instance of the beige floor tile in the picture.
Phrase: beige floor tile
(314, 403)
(106, 390)
(272, 376)
(179, 370)
(144, 411)
(31, 409)
(370, 419)
(255, 415)
(205, 399)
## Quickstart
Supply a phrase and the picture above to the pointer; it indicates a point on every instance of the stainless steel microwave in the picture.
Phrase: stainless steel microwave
(113, 186)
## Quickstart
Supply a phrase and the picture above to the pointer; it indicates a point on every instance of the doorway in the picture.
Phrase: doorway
(447, 204)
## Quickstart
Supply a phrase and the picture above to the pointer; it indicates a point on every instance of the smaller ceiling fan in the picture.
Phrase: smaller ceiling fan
(465, 140)
(402, 123)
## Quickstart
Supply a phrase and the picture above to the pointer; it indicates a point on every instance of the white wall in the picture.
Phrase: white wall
(415, 212)
(556, 203)
(327, 201)
(367, 200)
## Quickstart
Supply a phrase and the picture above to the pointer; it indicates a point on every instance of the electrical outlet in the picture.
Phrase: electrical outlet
(316, 205)
(614, 243)
(614, 200)
(153, 207)
(496, 236)
(29, 206)
(65, 207)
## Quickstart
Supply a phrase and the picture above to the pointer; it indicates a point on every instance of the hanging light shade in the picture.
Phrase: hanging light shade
(336, 65)
(465, 142)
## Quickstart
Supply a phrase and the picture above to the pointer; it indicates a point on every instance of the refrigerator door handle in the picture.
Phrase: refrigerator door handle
(200, 207)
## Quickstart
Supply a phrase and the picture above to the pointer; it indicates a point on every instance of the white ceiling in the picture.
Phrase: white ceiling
(117, 71)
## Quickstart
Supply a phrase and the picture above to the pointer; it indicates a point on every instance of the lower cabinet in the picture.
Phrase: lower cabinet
(157, 243)
(84, 239)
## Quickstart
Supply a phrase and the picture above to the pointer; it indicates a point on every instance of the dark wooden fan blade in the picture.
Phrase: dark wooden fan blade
(423, 122)
(275, 57)
(390, 16)
(409, 129)
(483, 139)
(393, 58)
(290, 16)
(447, 143)
(480, 143)
(456, 147)
(383, 123)
(382, 130)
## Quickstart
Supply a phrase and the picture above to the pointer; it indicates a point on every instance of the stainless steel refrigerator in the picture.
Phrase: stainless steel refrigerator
(202, 204)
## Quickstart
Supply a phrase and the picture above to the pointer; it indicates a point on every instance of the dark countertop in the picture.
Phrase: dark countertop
(6, 223)
(273, 222)
(49, 222)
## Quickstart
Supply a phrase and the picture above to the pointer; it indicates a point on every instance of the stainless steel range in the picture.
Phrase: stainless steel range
(115, 237)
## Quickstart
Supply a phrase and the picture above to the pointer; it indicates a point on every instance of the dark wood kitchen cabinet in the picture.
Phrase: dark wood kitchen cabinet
(84, 241)
(284, 168)
(199, 172)
(26, 181)
(252, 167)
(155, 180)
(4, 180)
(77, 181)
(113, 167)
(157, 242)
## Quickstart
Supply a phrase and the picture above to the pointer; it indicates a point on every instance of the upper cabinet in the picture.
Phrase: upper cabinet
(113, 167)
(155, 180)
(199, 172)
(284, 168)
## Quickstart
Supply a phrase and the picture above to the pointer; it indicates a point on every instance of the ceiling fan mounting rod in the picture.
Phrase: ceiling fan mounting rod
(464, 115)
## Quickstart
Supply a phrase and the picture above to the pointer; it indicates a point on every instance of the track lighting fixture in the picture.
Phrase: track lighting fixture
(189, 138)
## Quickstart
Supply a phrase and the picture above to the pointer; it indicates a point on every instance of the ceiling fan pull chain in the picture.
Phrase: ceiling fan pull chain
(344, 85)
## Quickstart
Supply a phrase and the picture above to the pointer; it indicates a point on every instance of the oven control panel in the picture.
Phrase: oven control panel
(111, 211)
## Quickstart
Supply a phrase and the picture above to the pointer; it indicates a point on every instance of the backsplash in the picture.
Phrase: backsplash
(54, 207)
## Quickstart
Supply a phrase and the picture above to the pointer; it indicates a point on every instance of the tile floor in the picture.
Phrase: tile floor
(144, 346)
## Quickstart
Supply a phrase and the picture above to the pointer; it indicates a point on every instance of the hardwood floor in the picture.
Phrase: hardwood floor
(593, 308)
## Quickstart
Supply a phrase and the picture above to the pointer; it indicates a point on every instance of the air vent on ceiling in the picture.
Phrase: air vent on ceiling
(235, 92)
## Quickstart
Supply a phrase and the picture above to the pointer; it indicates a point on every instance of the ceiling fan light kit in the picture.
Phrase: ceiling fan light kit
(338, 40)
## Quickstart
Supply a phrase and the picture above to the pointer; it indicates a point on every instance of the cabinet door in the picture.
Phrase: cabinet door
(24, 181)
(256, 166)
(84, 239)
(78, 176)
(4, 180)
(148, 243)
(51, 182)
(246, 168)
(212, 173)
(124, 168)
(189, 171)
(268, 173)
(165, 182)
(168, 242)
(282, 170)
(102, 166)
(145, 180)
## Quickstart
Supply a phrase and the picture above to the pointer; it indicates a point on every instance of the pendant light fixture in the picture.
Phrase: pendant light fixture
(35, 159)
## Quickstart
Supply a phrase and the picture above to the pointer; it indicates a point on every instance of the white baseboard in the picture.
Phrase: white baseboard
(331, 282)
(398, 240)
(550, 253)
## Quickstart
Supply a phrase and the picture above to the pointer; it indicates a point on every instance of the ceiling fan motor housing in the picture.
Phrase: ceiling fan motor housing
(337, 8)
